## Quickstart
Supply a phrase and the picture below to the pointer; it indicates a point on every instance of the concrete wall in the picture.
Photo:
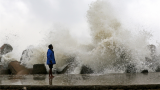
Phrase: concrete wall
(81, 87)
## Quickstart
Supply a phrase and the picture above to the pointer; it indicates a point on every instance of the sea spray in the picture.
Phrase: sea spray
(115, 46)
(33, 55)
(112, 49)
(64, 45)
(7, 58)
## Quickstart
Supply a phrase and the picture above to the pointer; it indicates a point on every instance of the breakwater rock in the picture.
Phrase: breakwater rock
(17, 69)
(39, 69)
(4, 71)
(5, 48)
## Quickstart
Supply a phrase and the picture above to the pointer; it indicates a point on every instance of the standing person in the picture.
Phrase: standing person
(50, 59)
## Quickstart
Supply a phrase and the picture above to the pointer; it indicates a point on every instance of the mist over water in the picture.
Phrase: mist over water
(113, 45)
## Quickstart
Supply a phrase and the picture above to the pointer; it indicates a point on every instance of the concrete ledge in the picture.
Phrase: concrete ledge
(82, 87)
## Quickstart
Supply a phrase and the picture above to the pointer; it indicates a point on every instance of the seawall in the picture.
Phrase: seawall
(81, 87)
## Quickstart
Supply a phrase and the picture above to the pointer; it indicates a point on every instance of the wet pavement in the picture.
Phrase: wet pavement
(77, 79)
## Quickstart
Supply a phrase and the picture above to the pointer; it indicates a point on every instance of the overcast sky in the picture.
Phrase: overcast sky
(30, 19)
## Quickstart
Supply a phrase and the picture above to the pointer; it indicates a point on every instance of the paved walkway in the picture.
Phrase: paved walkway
(72, 79)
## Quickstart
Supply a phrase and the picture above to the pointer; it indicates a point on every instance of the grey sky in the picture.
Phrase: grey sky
(23, 18)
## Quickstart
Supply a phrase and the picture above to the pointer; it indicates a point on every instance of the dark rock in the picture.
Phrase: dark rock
(144, 71)
(17, 69)
(26, 54)
(5, 48)
(1, 67)
(86, 70)
(64, 70)
(158, 69)
(69, 67)
(130, 68)
(39, 69)
(72, 66)
(5, 72)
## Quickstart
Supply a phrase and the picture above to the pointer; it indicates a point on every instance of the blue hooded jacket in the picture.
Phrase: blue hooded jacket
(50, 57)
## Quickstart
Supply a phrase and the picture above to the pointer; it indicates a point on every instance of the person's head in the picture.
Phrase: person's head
(50, 46)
